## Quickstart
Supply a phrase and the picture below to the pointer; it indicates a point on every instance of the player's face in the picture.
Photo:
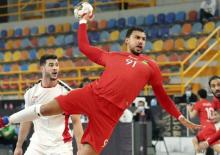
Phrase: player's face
(215, 87)
(136, 42)
(51, 69)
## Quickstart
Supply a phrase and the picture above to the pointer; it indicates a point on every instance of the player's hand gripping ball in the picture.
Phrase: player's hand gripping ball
(82, 9)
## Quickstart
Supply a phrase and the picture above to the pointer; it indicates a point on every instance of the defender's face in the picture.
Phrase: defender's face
(136, 42)
(51, 69)
(215, 87)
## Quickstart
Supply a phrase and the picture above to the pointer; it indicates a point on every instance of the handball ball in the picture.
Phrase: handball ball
(82, 9)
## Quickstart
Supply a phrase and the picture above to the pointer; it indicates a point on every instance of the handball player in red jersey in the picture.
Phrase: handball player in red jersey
(104, 100)
(214, 84)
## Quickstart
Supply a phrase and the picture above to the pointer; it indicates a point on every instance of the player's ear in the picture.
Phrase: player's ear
(126, 40)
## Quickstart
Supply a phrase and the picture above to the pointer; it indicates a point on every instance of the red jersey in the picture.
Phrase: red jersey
(125, 75)
(205, 111)
(207, 131)
(213, 138)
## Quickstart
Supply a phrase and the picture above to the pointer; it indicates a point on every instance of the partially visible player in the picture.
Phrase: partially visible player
(51, 134)
(203, 108)
(214, 84)
(104, 100)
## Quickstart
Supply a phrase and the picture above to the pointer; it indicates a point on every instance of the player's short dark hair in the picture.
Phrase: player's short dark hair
(45, 57)
(213, 78)
(129, 32)
(202, 93)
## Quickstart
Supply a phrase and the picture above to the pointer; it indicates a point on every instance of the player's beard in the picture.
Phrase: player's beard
(217, 94)
(136, 52)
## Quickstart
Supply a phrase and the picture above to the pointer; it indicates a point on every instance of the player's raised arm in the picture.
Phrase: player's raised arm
(84, 12)
(164, 99)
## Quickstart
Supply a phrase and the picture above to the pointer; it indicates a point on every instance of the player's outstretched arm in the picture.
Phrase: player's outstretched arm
(164, 99)
(93, 53)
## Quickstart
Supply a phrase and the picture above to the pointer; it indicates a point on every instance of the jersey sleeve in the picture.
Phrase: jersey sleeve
(95, 54)
(161, 95)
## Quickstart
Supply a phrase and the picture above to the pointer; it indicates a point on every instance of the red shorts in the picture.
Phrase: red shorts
(208, 130)
(103, 115)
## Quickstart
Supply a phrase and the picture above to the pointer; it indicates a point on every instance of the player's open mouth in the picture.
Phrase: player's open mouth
(139, 47)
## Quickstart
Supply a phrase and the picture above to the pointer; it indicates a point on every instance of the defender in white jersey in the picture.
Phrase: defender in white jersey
(51, 134)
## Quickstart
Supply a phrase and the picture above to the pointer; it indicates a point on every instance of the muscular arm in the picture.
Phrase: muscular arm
(93, 53)
(161, 95)
(77, 129)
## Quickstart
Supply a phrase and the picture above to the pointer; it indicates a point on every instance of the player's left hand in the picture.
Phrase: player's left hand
(203, 145)
(189, 124)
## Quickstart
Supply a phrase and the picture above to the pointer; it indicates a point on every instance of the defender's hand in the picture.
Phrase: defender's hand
(188, 123)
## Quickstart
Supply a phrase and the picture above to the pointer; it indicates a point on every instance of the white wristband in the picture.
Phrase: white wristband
(181, 116)
(82, 21)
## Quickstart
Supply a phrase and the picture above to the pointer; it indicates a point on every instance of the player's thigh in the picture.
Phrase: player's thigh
(34, 149)
(87, 150)
(77, 101)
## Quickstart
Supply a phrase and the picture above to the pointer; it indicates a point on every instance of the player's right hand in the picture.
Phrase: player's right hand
(18, 151)
(189, 124)
(84, 10)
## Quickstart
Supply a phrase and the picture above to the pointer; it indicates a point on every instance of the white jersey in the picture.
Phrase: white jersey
(51, 130)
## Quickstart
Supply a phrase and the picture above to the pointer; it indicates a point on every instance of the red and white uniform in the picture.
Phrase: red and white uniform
(212, 139)
(211, 132)
(50, 133)
(205, 111)
(104, 100)
(207, 131)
